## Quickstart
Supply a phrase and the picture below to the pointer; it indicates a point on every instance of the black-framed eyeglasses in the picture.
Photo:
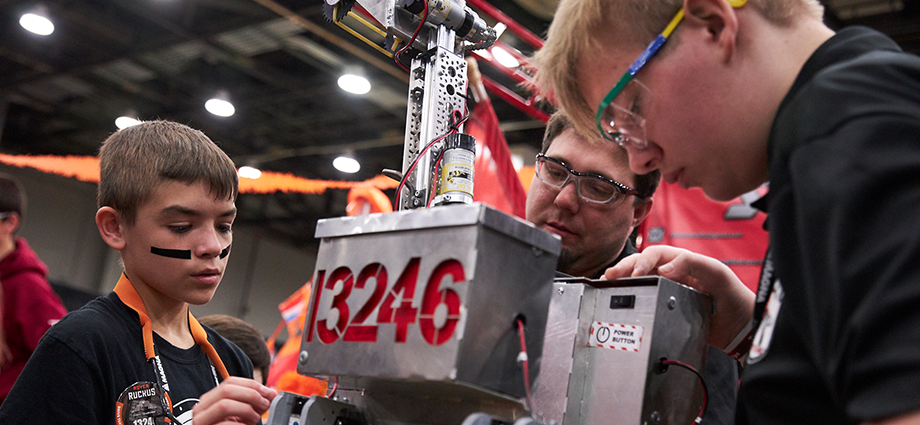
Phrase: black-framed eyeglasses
(592, 188)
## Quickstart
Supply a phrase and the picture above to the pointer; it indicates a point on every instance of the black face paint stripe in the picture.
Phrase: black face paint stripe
(182, 254)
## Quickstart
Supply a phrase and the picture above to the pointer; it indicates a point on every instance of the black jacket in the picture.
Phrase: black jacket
(843, 205)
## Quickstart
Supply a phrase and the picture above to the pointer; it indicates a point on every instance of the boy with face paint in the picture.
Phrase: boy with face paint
(137, 355)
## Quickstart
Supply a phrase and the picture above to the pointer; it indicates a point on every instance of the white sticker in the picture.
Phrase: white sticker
(614, 336)
(764, 335)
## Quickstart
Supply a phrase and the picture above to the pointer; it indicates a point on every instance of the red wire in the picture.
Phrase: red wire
(405, 176)
(412, 166)
(459, 117)
(335, 386)
(454, 129)
(520, 325)
(702, 382)
(434, 183)
(412, 40)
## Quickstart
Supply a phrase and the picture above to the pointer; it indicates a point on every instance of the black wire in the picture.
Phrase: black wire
(455, 127)
(478, 46)
(460, 118)
(412, 166)
(434, 181)
(665, 362)
(412, 40)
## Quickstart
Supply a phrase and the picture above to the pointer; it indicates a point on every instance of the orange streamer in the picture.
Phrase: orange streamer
(86, 168)
(83, 168)
(283, 182)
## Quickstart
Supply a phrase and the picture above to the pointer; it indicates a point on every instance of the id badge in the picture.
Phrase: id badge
(143, 403)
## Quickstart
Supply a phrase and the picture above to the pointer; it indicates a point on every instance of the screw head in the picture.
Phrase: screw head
(303, 357)
(672, 303)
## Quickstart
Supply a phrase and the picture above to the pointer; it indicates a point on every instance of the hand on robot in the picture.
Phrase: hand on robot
(236, 400)
(734, 302)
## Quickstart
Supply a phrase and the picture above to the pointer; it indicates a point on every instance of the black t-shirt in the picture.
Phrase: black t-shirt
(842, 345)
(88, 359)
(188, 373)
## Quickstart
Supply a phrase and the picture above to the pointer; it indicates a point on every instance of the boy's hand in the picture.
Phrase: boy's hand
(235, 401)
(734, 302)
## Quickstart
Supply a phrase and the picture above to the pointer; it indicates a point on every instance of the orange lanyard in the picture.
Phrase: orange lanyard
(129, 296)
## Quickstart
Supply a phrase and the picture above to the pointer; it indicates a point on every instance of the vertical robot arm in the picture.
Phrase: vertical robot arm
(437, 105)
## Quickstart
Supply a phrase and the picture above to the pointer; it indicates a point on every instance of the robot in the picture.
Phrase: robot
(445, 311)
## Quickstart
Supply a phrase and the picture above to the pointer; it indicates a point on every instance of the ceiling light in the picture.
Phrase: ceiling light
(220, 107)
(248, 172)
(37, 24)
(346, 165)
(354, 84)
(504, 57)
(125, 122)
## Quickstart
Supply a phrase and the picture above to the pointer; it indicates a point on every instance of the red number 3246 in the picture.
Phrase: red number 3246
(396, 307)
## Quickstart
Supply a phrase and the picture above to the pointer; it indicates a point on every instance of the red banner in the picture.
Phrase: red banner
(496, 181)
(731, 232)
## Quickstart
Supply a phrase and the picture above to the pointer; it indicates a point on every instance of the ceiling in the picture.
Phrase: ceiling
(277, 61)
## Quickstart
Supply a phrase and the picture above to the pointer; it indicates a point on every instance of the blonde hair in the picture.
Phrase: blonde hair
(134, 160)
(585, 27)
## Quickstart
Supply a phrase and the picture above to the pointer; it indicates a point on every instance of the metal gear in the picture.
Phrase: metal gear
(330, 13)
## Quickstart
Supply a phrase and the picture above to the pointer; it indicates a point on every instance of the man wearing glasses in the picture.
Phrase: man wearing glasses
(750, 91)
(584, 192)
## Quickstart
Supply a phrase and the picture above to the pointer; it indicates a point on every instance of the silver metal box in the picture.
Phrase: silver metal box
(423, 303)
(603, 343)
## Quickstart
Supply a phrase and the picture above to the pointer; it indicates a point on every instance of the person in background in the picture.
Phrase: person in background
(245, 336)
(29, 304)
(4, 349)
(137, 355)
(584, 192)
(745, 92)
